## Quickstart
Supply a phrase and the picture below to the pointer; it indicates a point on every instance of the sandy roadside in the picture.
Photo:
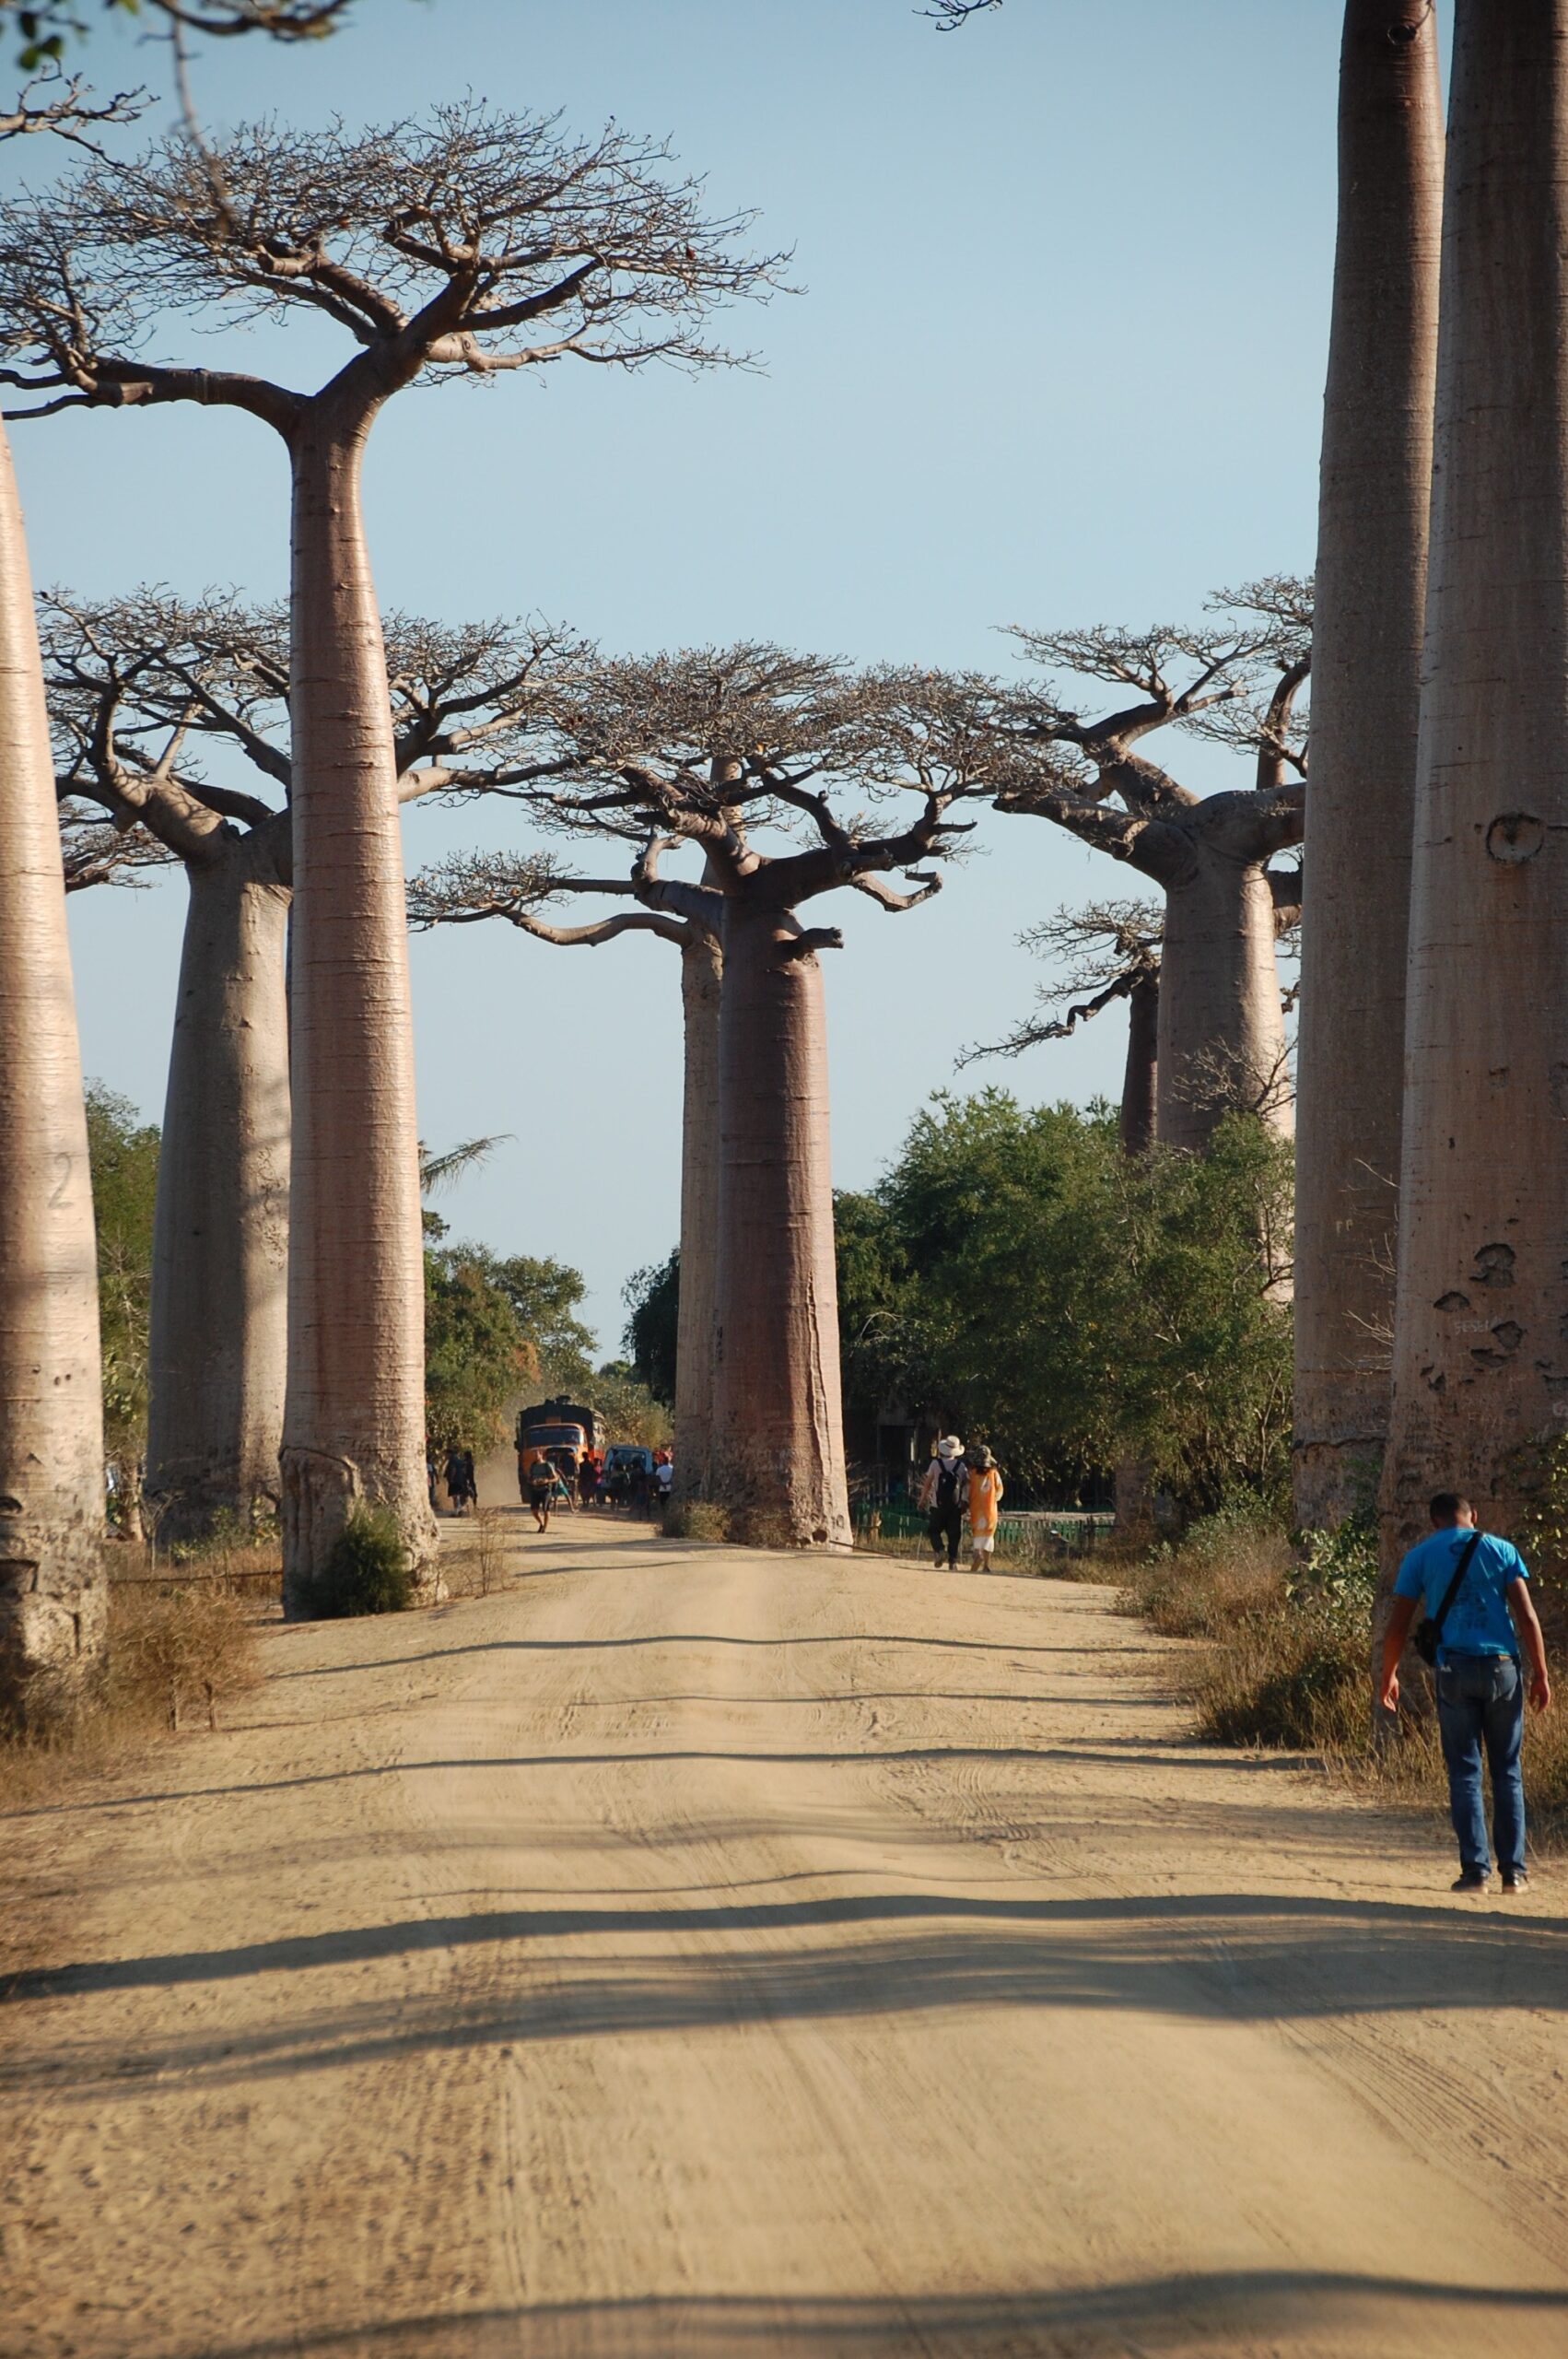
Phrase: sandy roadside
(683, 1952)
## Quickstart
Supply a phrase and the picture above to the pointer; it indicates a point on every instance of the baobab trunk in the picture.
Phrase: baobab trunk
(219, 1339)
(701, 971)
(777, 1421)
(52, 1473)
(1140, 1078)
(1371, 583)
(1222, 1036)
(353, 1422)
(1134, 1504)
(1481, 1338)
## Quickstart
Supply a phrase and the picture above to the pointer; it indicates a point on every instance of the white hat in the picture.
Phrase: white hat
(950, 1447)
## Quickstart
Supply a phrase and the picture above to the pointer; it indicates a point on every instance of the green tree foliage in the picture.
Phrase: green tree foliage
(1018, 1275)
(544, 1296)
(630, 1411)
(122, 1153)
(652, 1298)
(476, 1355)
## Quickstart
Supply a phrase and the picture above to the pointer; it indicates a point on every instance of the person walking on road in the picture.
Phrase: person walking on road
(1473, 1585)
(942, 1496)
(985, 1504)
(457, 1479)
(541, 1479)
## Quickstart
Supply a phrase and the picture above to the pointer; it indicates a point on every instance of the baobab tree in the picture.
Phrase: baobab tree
(474, 244)
(52, 1617)
(1220, 1035)
(1370, 592)
(1480, 1361)
(470, 888)
(740, 754)
(144, 690)
(1114, 949)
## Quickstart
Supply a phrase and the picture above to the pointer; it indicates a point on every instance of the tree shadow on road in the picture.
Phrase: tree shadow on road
(509, 1975)
(1203, 2313)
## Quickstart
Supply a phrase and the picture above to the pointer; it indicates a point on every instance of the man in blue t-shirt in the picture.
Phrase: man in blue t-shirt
(1480, 1696)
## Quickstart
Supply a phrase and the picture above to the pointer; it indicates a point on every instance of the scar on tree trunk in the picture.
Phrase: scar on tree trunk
(778, 1439)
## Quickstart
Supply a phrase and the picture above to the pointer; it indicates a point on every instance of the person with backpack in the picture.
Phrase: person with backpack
(943, 1496)
(1478, 1606)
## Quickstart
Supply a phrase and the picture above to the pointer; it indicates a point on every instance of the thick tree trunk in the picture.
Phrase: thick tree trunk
(51, 1469)
(1133, 1500)
(219, 1343)
(702, 967)
(1374, 498)
(354, 1423)
(1221, 1036)
(779, 1439)
(1480, 1359)
(1140, 1077)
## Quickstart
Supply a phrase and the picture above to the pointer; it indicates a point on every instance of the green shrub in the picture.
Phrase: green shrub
(367, 1569)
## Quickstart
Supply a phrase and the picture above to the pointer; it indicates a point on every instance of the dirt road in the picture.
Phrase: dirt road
(686, 1953)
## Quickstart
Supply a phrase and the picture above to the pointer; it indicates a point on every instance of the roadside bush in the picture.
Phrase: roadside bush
(696, 1519)
(175, 1648)
(1285, 1660)
(367, 1569)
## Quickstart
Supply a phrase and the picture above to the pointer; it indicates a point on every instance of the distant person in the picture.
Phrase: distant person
(457, 1479)
(943, 1495)
(473, 1478)
(431, 1477)
(640, 1481)
(985, 1504)
(665, 1477)
(1473, 1585)
(588, 1478)
(542, 1477)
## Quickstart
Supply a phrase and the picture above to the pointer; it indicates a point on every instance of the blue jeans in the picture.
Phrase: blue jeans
(1481, 1701)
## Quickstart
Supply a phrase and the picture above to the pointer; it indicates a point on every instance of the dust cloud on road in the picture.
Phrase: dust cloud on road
(684, 1952)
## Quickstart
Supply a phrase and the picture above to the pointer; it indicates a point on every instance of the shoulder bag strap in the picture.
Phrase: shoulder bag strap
(1449, 1594)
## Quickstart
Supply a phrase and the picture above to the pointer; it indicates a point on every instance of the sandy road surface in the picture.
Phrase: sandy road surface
(684, 1953)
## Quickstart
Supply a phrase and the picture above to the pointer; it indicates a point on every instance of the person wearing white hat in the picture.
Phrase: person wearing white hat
(943, 1495)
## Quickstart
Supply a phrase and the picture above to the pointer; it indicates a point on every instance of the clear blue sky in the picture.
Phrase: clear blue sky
(1058, 357)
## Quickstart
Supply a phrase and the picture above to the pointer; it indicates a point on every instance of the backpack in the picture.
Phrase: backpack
(949, 1472)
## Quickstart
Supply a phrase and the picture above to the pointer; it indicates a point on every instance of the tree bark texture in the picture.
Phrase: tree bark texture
(218, 1344)
(53, 1615)
(1139, 1079)
(779, 1439)
(354, 1422)
(1371, 583)
(1481, 1343)
(1221, 1034)
(702, 967)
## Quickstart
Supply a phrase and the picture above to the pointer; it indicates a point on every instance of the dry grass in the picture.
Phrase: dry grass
(1275, 1668)
(182, 1644)
(696, 1519)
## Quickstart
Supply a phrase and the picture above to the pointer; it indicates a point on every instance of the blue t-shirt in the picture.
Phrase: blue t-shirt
(1478, 1623)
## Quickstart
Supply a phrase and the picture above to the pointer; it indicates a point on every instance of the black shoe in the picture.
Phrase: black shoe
(1515, 1880)
(1472, 1879)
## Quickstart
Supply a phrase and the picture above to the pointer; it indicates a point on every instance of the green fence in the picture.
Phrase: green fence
(1041, 1533)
